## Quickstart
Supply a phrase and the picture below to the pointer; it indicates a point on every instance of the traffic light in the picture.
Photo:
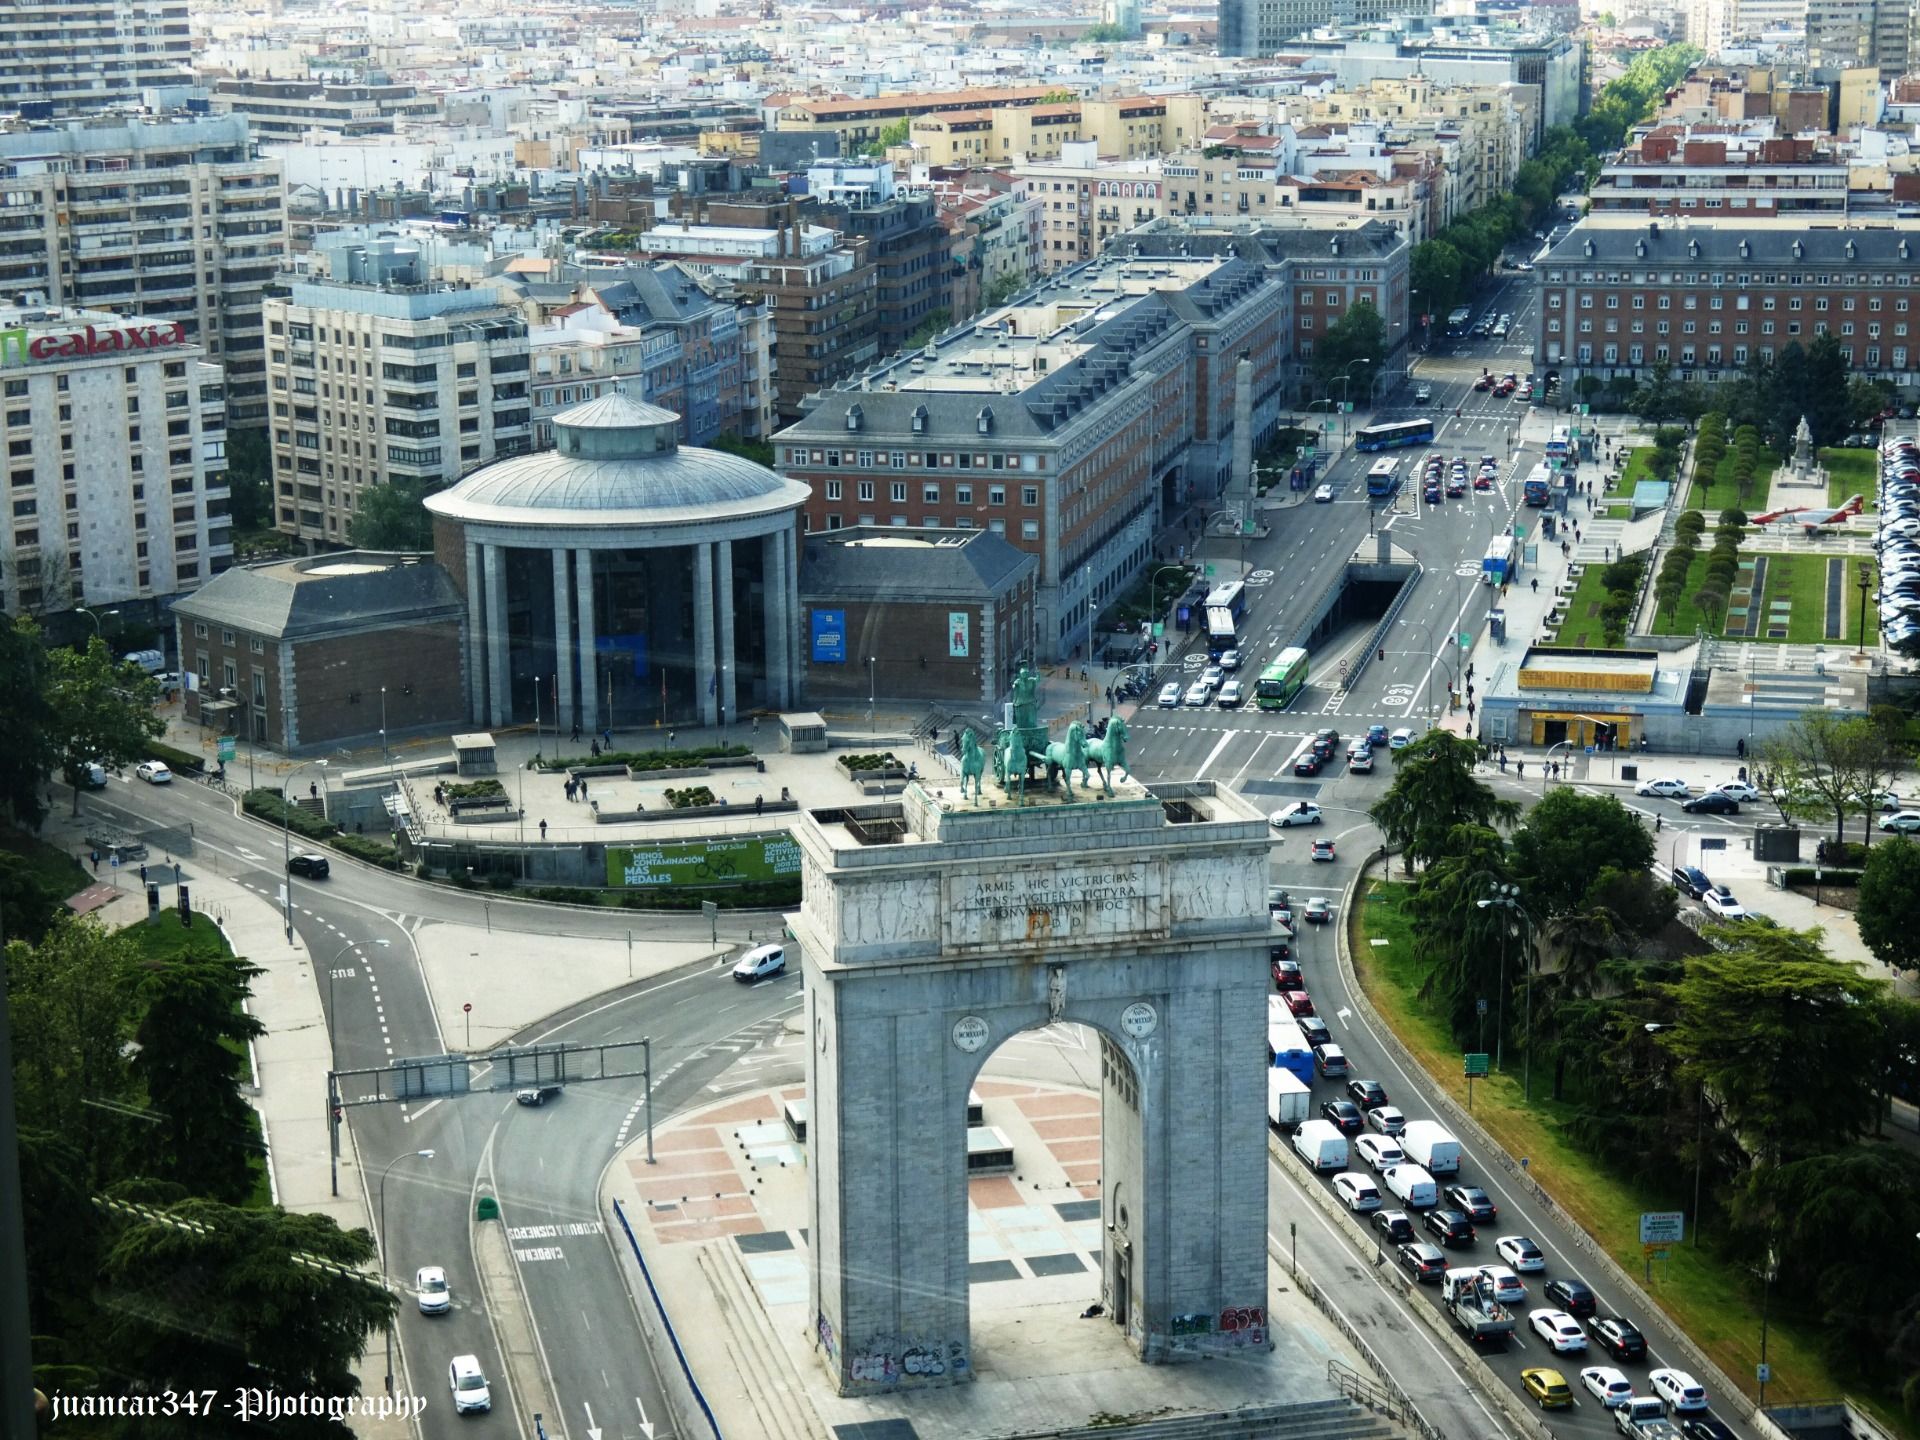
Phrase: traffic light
(186, 909)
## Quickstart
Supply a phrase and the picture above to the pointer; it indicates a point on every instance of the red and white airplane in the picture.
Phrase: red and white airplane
(1811, 520)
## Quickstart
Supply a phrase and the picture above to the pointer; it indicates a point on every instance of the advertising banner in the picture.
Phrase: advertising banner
(720, 861)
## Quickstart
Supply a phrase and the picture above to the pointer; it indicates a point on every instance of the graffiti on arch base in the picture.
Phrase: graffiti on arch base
(896, 1361)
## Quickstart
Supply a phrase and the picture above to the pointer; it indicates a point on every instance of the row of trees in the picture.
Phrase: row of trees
(147, 1270)
(1754, 1057)
(1769, 394)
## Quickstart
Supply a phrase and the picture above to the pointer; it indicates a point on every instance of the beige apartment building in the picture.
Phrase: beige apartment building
(1084, 202)
(1011, 124)
(1243, 187)
(377, 378)
(1488, 125)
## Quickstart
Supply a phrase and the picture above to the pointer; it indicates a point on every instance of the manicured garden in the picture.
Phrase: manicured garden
(1851, 472)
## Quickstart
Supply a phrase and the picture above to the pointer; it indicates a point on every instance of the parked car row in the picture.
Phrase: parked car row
(1899, 544)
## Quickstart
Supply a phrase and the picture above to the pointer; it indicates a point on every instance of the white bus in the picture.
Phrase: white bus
(1382, 478)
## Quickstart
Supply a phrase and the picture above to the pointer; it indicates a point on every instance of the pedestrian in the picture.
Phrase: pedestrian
(596, 749)
(543, 829)
(758, 802)
(1536, 586)
(568, 788)
(313, 790)
(1520, 767)
(1740, 749)
(1469, 689)
(1469, 673)
(1503, 762)
(95, 857)
(1658, 822)
(143, 872)
(576, 732)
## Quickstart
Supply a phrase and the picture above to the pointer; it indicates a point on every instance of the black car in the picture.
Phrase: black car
(1344, 1114)
(1422, 1261)
(1702, 1427)
(1619, 1338)
(1575, 1297)
(1367, 1094)
(1473, 1202)
(1329, 737)
(314, 867)
(1449, 1227)
(1692, 881)
(1308, 764)
(1711, 803)
(536, 1094)
(1394, 1226)
(1313, 1030)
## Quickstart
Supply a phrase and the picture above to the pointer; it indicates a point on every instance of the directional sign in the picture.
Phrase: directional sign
(1662, 1227)
(1763, 1373)
(225, 749)
(1476, 1066)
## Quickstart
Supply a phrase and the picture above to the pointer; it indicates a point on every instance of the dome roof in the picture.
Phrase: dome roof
(617, 462)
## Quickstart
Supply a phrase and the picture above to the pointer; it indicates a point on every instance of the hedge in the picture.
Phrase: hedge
(374, 852)
(185, 761)
(269, 806)
(677, 759)
(1839, 879)
(477, 790)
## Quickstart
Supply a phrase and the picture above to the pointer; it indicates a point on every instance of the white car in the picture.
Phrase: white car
(760, 962)
(154, 772)
(1719, 901)
(1740, 790)
(1356, 1191)
(1400, 739)
(1679, 1389)
(1560, 1330)
(1230, 660)
(1170, 695)
(1671, 789)
(1903, 822)
(469, 1384)
(1323, 495)
(1303, 812)
(1379, 1151)
(1520, 1252)
(1508, 1288)
(1883, 800)
(1199, 693)
(1212, 676)
(1386, 1119)
(1231, 694)
(430, 1290)
(1607, 1385)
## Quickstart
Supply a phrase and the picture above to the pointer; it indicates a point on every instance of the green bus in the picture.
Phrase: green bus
(1281, 680)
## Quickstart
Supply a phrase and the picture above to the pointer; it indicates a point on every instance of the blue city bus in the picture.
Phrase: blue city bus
(1287, 1048)
(1393, 435)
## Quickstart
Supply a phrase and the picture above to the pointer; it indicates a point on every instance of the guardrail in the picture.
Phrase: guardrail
(1372, 647)
(686, 1370)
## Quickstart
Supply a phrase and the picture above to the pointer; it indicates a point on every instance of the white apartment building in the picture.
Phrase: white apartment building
(1084, 201)
(377, 378)
(116, 460)
(176, 219)
(77, 55)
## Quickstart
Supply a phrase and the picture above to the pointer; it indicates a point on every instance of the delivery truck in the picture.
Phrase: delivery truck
(1288, 1101)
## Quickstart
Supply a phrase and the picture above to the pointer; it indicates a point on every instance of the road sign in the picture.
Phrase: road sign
(1662, 1227)
(1763, 1373)
(1207, 571)
(1479, 1007)
(1476, 1065)
(1307, 452)
(224, 750)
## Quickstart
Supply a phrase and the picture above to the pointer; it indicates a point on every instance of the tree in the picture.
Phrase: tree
(191, 1038)
(896, 133)
(1455, 938)
(28, 753)
(1567, 840)
(1438, 272)
(1888, 909)
(1358, 335)
(1865, 400)
(101, 709)
(1827, 765)
(1433, 791)
(1775, 1028)
(1641, 906)
(1827, 412)
(936, 321)
(204, 1296)
(393, 516)
(1005, 286)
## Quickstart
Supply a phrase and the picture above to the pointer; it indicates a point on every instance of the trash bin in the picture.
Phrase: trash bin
(1629, 772)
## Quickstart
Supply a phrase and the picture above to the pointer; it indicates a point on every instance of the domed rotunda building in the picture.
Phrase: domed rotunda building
(621, 578)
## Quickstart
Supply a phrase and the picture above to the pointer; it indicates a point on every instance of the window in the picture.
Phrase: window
(963, 494)
(996, 494)
(866, 490)
(1030, 495)
(898, 492)
(930, 494)
(1029, 529)
(833, 489)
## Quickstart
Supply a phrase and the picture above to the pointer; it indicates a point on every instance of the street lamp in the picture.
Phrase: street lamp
(1153, 590)
(873, 690)
(95, 618)
(411, 1154)
(385, 750)
(1507, 897)
(1346, 397)
(330, 968)
(286, 844)
(1433, 655)
(1864, 580)
(1766, 1297)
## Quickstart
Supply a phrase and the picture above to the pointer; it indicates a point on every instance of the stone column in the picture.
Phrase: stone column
(773, 599)
(703, 632)
(499, 684)
(562, 645)
(476, 639)
(728, 666)
(589, 671)
(790, 607)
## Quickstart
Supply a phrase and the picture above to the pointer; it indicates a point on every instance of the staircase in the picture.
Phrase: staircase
(1335, 1419)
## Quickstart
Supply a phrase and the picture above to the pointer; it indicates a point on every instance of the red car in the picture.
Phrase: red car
(1286, 975)
(1483, 482)
(1298, 1002)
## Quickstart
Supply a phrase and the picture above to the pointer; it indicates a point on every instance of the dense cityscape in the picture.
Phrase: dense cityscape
(768, 639)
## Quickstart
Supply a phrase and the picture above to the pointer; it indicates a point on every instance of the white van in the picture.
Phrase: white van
(93, 775)
(1321, 1145)
(1414, 1186)
(1431, 1147)
(151, 661)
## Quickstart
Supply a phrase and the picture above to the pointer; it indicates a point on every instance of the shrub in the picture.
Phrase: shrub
(374, 852)
(885, 761)
(184, 761)
(269, 805)
(500, 879)
(1837, 878)
(757, 895)
(676, 759)
(565, 894)
(690, 797)
(477, 790)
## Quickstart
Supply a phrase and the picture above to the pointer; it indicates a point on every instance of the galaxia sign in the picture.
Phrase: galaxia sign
(17, 345)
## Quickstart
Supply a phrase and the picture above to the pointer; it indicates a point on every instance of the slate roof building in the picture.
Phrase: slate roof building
(333, 648)
(932, 614)
(622, 578)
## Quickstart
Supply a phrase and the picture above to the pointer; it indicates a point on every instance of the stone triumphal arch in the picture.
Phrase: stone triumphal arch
(937, 925)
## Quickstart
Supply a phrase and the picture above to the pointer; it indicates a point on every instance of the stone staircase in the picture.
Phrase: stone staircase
(1334, 1419)
(778, 1398)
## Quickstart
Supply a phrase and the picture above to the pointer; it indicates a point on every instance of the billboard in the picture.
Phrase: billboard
(729, 860)
(829, 637)
(958, 629)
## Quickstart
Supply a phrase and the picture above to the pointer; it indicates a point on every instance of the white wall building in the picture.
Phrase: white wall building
(116, 460)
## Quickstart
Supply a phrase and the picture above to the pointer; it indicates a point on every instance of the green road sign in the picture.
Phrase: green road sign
(224, 750)
(1208, 571)
(1307, 452)
(1159, 628)
(1476, 1066)
(1346, 407)
(1466, 641)
(1586, 410)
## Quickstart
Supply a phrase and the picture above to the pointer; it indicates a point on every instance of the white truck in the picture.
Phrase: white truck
(1431, 1148)
(1288, 1101)
(1467, 1295)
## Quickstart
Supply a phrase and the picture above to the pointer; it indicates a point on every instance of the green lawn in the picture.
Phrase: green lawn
(1583, 625)
(1639, 467)
(61, 873)
(1851, 472)
(1720, 493)
(1712, 1302)
(1685, 617)
(1799, 579)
